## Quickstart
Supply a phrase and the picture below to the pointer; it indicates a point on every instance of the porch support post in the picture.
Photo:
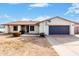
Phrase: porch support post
(19, 28)
(10, 28)
(25, 28)
(29, 28)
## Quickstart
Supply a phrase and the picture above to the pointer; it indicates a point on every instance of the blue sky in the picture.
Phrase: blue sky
(38, 11)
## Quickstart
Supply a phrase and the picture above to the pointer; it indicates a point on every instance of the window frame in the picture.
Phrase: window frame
(15, 28)
(32, 28)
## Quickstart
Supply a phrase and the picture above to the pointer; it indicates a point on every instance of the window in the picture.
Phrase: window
(15, 28)
(31, 28)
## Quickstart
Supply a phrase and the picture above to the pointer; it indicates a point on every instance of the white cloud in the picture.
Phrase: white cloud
(72, 15)
(0, 16)
(13, 3)
(5, 16)
(39, 5)
(40, 18)
(25, 19)
(73, 9)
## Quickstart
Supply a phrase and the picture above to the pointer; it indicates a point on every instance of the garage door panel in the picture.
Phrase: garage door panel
(58, 30)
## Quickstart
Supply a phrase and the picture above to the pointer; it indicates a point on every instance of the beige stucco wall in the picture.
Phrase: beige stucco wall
(6, 29)
(44, 26)
(41, 27)
(9, 29)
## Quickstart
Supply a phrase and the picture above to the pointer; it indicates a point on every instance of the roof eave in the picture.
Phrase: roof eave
(58, 17)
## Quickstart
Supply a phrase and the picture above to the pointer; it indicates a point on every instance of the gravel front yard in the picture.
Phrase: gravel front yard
(25, 46)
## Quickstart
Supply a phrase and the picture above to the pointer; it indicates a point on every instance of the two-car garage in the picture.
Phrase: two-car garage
(63, 30)
(57, 26)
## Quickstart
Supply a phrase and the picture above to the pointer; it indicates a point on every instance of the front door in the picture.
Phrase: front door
(23, 29)
(27, 28)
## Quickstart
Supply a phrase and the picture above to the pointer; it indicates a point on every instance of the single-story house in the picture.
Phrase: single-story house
(51, 26)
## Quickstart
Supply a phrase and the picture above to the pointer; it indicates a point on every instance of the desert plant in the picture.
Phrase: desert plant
(42, 35)
(22, 32)
(16, 34)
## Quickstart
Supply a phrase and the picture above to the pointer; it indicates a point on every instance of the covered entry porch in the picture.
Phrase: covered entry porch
(25, 29)
(22, 26)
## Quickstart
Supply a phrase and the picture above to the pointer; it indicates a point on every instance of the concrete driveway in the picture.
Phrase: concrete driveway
(65, 45)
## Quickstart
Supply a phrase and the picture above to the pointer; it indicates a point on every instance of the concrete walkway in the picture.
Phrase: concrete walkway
(29, 35)
(65, 45)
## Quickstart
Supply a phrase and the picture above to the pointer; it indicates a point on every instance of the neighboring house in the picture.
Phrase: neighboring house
(51, 26)
(77, 29)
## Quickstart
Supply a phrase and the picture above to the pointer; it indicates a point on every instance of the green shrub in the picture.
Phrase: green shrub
(16, 34)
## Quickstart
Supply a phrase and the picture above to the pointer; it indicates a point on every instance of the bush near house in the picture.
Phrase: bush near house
(42, 35)
(16, 34)
(22, 32)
